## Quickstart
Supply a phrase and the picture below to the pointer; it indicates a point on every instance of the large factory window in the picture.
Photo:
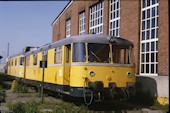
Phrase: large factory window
(82, 23)
(96, 18)
(68, 28)
(149, 37)
(58, 55)
(114, 27)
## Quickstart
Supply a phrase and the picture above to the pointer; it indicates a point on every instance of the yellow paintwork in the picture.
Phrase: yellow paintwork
(105, 74)
(163, 100)
(75, 74)
(16, 70)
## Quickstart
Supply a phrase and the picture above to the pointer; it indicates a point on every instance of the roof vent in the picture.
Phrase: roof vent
(111, 39)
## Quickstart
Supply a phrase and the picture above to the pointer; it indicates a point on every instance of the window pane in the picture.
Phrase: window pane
(98, 53)
(143, 58)
(121, 54)
(152, 68)
(143, 47)
(152, 33)
(142, 68)
(147, 68)
(147, 47)
(79, 54)
(148, 34)
(152, 46)
(147, 57)
(152, 57)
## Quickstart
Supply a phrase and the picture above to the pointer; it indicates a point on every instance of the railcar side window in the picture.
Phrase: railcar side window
(99, 53)
(15, 61)
(121, 54)
(22, 61)
(58, 55)
(35, 59)
(79, 53)
(44, 54)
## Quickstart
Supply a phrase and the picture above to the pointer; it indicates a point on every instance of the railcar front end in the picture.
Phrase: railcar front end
(100, 71)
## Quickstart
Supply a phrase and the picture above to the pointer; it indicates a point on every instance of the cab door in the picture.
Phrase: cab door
(67, 65)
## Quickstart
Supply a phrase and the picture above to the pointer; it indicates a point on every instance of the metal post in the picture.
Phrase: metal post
(8, 51)
(42, 86)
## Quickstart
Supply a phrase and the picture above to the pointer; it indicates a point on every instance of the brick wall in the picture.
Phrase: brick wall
(163, 38)
(130, 14)
(130, 25)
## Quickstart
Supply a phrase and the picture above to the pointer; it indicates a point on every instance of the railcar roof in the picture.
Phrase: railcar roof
(18, 54)
(87, 38)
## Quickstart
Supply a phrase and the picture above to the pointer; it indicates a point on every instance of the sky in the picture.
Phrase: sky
(26, 23)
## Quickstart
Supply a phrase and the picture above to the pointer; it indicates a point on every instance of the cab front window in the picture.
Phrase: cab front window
(79, 52)
(121, 54)
(98, 53)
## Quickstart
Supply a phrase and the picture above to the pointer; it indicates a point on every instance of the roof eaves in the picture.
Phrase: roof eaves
(65, 8)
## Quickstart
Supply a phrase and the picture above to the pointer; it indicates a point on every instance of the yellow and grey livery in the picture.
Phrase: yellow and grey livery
(95, 66)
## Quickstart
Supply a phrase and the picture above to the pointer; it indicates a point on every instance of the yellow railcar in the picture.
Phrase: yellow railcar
(16, 65)
(89, 66)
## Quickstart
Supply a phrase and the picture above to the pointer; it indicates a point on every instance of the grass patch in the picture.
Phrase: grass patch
(2, 95)
(34, 107)
(158, 106)
(19, 87)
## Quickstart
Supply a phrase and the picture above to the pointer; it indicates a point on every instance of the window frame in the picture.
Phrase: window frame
(148, 37)
(82, 22)
(96, 24)
(114, 18)
(68, 27)
(58, 55)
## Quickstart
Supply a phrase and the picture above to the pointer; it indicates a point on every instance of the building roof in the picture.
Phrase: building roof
(65, 8)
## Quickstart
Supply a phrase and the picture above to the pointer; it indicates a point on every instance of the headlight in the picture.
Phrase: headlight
(91, 73)
(129, 74)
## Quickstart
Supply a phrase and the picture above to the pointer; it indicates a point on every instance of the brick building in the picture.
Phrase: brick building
(144, 22)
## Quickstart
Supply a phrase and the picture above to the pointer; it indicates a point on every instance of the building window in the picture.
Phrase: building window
(68, 27)
(82, 19)
(96, 18)
(149, 37)
(114, 27)
(58, 55)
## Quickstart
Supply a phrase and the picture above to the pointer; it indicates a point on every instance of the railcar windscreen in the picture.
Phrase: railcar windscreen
(99, 53)
(79, 53)
(121, 54)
